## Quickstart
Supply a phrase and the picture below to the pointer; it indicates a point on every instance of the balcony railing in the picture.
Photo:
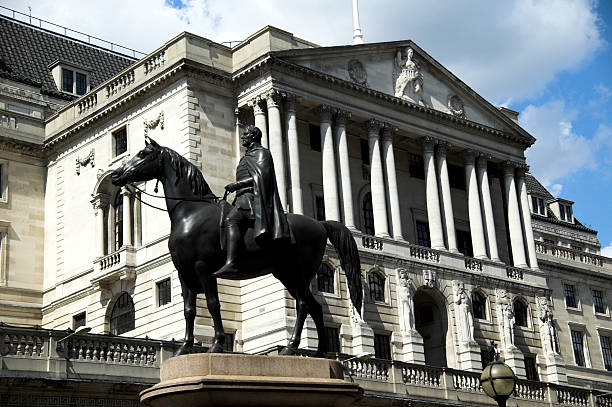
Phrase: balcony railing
(117, 265)
(571, 255)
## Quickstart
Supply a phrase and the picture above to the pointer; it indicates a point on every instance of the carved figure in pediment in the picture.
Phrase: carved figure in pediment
(463, 312)
(405, 290)
(407, 77)
(505, 318)
(548, 334)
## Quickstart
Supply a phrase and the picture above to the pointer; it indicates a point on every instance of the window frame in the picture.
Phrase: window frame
(336, 329)
(605, 333)
(576, 306)
(78, 314)
(484, 305)
(523, 303)
(536, 377)
(4, 249)
(370, 211)
(387, 345)
(156, 294)
(383, 287)
(113, 133)
(74, 71)
(4, 185)
(132, 321)
(418, 222)
(605, 310)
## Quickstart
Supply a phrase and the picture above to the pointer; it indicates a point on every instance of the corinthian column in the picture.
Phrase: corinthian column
(389, 160)
(447, 203)
(487, 206)
(514, 216)
(127, 218)
(475, 214)
(330, 183)
(344, 167)
(431, 195)
(294, 156)
(377, 181)
(259, 111)
(100, 202)
(277, 150)
(522, 188)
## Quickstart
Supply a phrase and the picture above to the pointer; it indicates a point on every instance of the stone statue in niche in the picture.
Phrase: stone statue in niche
(407, 77)
(406, 302)
(505, 317)
(548, 334)
(463, 312)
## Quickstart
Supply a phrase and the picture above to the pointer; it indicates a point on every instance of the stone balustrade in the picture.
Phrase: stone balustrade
(530, 390)
(572, 396)
(117, 265)
(514, 273)
(155, 61)
(371, 369)
(571, 255)
(466, 381)
(422, 375)
(87, 103)
(120, 83)
(473, 264)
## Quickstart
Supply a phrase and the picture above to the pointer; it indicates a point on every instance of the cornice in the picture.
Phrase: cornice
(21, 147)
(564, 224)
(269, 61)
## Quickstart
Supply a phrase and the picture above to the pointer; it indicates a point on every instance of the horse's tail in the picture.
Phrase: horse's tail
(344, 243)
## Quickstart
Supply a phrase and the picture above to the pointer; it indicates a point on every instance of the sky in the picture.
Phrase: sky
(550, 60)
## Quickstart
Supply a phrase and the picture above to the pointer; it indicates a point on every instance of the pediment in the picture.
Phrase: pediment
(403, 70)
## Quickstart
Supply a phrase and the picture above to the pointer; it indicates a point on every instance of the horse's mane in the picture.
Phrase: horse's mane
(184, 168)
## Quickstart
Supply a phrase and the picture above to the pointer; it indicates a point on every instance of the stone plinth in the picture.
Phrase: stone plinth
(250, 380)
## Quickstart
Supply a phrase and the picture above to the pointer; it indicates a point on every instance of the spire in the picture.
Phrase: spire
(357, 35)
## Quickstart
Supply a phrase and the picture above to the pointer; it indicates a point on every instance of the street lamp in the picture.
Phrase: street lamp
(82, 330)
(498, 380)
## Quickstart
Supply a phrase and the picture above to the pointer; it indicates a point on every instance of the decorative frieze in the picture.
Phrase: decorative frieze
(357, 72)
(455, 106)
(152, 124)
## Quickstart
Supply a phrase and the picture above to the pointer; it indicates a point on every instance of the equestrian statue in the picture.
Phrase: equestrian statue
(210, 238)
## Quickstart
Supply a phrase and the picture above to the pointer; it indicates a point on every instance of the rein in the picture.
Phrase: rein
(214, 199)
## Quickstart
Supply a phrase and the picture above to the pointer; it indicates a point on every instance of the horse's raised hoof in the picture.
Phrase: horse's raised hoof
(288, 351)
(185, 349)
(215, 348)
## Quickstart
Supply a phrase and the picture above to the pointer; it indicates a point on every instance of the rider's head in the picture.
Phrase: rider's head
(251, 134)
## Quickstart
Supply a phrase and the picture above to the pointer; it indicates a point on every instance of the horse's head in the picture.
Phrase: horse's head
(144, 166)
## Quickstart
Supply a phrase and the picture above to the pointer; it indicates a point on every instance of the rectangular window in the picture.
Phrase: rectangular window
(578, 347)
(598, 303)
(534, 204)
(164, 295)
(422, 229)
(456, 177)
(320, 208)
(570, 296)
(1, 181)
(542, 207)
(333, 339)
(315, 137)
(416, 166)
(228, 346)
(78, 320)
(382, 346)
(538, 205)
(464, 243)
(120, 141)
(606, 352)
(81, 83)
(67, 80)
(364, 148)
(530, 368)
(562, 211)
(485, 357)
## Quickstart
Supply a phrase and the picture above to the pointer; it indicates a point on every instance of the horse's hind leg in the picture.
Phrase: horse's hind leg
(316, 312)
(214, 306)
(189, 303)
(296, 337)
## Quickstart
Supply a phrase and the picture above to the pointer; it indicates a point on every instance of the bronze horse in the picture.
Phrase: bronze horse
(196, 251)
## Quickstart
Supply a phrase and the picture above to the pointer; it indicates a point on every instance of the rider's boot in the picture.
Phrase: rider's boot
(232, 241)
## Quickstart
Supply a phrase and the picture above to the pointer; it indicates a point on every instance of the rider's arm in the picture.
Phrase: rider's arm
(243, 183)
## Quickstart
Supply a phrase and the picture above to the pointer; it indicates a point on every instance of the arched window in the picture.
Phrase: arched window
(479, 305)
(377, 286)
(122, 316)
(368, 214)
(325, 279)
(118, 221)
(520, 313)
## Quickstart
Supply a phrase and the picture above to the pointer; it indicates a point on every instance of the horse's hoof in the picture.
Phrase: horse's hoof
(184, 349)
(215, 348)
(288, 351)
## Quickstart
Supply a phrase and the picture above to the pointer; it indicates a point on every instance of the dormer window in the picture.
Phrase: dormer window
(562, 209)
(537, 205)
(71, 78)
(566, 212)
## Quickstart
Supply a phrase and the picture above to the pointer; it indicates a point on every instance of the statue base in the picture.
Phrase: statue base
(217, 379)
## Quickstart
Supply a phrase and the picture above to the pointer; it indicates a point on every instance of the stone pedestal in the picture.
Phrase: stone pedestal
(514, 358)
(552, 368)
(363, 339)
(469, 357)
(413, 350)
(250, 380)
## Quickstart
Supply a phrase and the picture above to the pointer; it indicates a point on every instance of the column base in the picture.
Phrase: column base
(384, 235)
(469, 357)
(521, 266)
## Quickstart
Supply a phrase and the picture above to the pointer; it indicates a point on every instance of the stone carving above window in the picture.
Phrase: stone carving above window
(357, 72)
(151, 124)
(455, 106)
(407, 77)
(429, 278)
(88, 159)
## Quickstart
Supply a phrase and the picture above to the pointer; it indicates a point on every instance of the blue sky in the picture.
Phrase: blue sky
(551, 60)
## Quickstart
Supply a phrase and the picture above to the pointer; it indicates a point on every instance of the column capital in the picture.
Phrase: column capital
(341, 116)
(325, 113)
(469, 156)
(428, 144)
(274, 97)
(442, 148)
(258, 104)
(100, 200)
(388, 130)
(521, 169)
(241, 116)
(291, 101)
(372, 126)
(508, 167)
(483, 158)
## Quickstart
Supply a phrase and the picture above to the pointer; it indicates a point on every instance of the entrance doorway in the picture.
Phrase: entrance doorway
(431, 322)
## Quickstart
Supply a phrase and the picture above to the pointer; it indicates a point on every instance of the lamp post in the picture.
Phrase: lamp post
(497, 379)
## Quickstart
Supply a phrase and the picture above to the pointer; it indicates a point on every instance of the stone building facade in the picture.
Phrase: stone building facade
(459, 244)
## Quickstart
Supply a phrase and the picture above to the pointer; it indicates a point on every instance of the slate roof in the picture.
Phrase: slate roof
(534, 187)
(27, 51)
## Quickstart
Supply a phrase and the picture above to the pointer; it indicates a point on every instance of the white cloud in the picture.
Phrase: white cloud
(607, 251)
(505, 50)
(555, 189)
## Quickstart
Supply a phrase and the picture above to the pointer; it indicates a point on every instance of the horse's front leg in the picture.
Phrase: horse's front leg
(214, 306)
(189, 303)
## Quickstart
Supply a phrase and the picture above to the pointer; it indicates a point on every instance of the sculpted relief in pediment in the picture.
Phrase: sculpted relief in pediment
(407, 77)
